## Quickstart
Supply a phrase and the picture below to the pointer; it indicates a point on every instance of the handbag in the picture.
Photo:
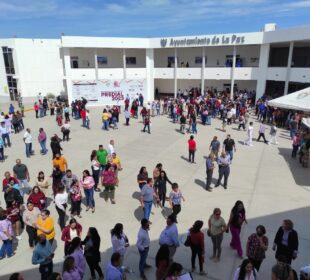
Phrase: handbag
(188, 242)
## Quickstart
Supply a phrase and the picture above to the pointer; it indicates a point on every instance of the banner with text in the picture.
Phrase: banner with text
(108, 92)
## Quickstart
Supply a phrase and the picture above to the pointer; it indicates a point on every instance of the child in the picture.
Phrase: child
(76, 198)
(175, 198)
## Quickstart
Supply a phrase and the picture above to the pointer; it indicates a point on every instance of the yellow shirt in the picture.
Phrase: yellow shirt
(117, 162)
(47, 224)
(61, 162)
(105, 116)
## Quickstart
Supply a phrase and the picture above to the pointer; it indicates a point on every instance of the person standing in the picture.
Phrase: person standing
(102, 156)
(5, 134)
(286, 241)
(42, 141)
(72, 230)
(28, 142)
(92, 252)
(146, 199)
(273, 134)
(197, 241)
(119, 240)
(65, 129)
(143, 245)
(237, 218)
(6, 235)
(209, 171)
(224, 169)
(170, 237)
(70, 270)
(215, 147)
(249, 134)
(61, 162)
(95, 167)
(20, 171)
(43, 255)
(147, 123)
(229, 146)
(88, 183)
(55, 145)
(111, 148)
(127, 116)
(75, 250)
(262, 129)
(30, 215)
(160, 187)
(191, 149)
(45, 225)
(113, 271)
(76, 198)
(256, 247)
(216, 229)
(1, 150)
(109, 181)
(296, 144)
(61, 200)
(142, 177)
(175, 198)
(68, 179)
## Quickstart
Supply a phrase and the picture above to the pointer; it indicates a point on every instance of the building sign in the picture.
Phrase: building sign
(203, 41)
(108, 92)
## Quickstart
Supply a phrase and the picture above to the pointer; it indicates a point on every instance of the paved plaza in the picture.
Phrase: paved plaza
(272, 185)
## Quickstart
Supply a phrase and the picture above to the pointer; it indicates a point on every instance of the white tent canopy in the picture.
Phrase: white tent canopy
(299, 100)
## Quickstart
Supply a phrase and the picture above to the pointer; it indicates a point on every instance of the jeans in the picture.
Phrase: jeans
(147, 209)
(209, 178)
(197, 250)
(94, 265)
(1, 153)
(24, 187)
(114, 122)
(76, 207)
(62, 217)
(41, 113)
(6, 248)
(96, 174)
(292, 132)
(148, 128)
(231, 154)
(142, 262)
(89, 195)
(223, 171)
(106, 125)
(217, 245)
(67, 116)
(194, 127)
(43, 147)
(6, 139)
(32, 235)
(295, 149)
(46, 270)
(191, 156)
(84, 122)
(28, 149)
(87, 124)
(176, 209)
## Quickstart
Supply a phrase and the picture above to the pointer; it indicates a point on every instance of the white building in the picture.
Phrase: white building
(105, 70)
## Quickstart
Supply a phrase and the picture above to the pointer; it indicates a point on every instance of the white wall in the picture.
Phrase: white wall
(216, 56)
(38, 65)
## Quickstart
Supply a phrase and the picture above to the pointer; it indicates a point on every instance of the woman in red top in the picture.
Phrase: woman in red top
(37, 198)
(109, 180)
(191, 149)
(13, 215)
(74, 229)
(197, 245)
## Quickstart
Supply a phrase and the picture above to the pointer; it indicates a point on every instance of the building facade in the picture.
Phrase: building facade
(105, 70)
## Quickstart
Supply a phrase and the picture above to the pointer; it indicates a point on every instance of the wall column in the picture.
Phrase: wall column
(175, 72)
(124, 64)
(96, 65)
(232, 82)
(67, 72)
(203, 66)
(288, 69)
(262, 70)
(150, 74)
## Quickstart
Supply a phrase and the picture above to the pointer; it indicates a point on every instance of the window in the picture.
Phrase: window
(198, 60)
(131, 60)
(8, 60)
(102, 60)
(74, 61)
(278, 56)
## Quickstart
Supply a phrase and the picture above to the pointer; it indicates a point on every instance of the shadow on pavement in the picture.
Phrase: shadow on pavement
(300, 174)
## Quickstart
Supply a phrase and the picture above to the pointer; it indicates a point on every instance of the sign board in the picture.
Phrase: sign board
(108, 92)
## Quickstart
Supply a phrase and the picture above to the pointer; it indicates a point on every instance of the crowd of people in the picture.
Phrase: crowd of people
(28, 208)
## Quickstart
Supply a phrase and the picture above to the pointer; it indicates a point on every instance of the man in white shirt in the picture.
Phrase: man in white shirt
(5, 134)
(143, 244)
(111, 148)
(261, 132)
(249, 134)
(28, 141)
